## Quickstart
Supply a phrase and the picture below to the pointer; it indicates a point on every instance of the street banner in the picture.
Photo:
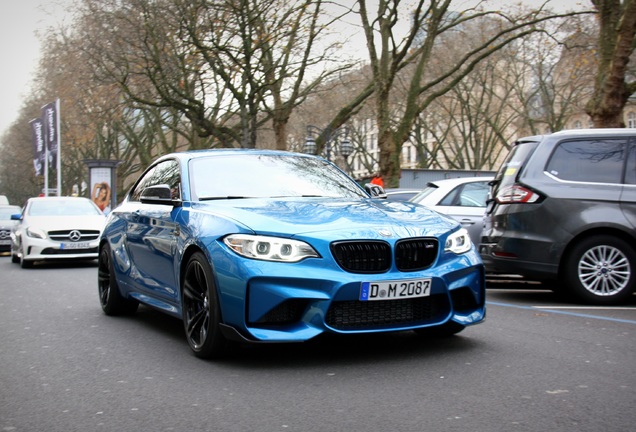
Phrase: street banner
(51, 134)
(39, 151)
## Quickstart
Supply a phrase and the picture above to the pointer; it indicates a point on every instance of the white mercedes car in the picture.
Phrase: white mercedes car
(56, 228)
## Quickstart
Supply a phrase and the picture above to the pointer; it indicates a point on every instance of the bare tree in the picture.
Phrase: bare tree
(430, 21)
(613, 85)
(228, 65)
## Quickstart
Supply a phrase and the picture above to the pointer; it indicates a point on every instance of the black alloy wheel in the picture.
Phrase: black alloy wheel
(201, 311)
(110, 298)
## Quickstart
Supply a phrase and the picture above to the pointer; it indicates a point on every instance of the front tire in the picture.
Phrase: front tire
(110, 298)
(201, 311)
(15, 259)
(24, 263)
(601, 270)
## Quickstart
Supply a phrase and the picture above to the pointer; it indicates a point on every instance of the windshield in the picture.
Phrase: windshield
(63, 207)
(429, 189)
(269, 176)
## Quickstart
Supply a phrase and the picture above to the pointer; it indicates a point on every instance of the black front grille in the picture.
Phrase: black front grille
(352, 315)
(415, 254)
(375, 256)
(362, 256)
(65, 235)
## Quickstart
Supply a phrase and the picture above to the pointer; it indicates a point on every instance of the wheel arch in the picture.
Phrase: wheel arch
(630, 237)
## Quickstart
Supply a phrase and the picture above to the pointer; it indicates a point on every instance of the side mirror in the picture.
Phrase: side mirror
(376, 191)
(159, 194)
(16, 216)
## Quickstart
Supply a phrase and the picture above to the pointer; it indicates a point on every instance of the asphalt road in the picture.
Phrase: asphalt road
(535, 365)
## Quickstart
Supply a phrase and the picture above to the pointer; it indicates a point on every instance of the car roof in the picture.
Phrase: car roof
(193, 154)
(57, 198)
(579, 133)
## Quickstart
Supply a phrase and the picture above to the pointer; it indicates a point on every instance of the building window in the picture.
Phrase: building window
(631, 120)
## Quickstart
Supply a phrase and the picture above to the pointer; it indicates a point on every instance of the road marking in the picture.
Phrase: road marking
(561, 312)
(588, 307)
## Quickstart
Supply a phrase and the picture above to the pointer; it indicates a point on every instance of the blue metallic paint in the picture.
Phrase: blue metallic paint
(149, 243)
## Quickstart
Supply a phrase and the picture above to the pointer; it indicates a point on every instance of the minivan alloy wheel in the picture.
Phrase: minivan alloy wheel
(604, 270)
(601, 270)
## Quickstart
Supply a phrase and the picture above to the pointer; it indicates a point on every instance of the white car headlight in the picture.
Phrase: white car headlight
(270, 248)
(458, 242)
(35, 233)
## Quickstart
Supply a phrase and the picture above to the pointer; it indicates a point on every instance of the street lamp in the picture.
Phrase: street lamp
(343, 148)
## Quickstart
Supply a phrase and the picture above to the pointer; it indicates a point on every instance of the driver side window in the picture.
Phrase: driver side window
(166, 172)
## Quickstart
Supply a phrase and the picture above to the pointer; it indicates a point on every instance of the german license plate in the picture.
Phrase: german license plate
(395, 290)
(5, 242)
(78, 245)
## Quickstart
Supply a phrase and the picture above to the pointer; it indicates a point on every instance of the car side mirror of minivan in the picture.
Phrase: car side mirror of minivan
(376, 191)
(16, 216)
(159, 194)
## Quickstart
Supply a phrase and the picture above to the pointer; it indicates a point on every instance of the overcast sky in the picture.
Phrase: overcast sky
(20, 47)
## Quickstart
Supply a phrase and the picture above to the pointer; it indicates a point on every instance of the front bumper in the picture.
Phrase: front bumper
(296, 309)
(46, 250)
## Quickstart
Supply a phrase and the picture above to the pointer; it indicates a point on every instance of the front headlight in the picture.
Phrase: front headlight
(269, 248)
(458, 242)
(35, 233)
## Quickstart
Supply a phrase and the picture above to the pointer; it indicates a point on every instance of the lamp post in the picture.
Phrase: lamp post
(343, 148)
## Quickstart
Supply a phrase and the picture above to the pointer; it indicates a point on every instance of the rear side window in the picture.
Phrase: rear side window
(467, 195)
(514, 163)
(597, 161)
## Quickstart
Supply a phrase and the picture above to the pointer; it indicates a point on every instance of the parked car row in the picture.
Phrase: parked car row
(563, 208)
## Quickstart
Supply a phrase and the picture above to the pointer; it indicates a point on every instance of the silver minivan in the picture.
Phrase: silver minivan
(562, 207)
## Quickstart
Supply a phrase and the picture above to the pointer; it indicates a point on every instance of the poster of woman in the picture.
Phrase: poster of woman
(101, 196)
(101, 190)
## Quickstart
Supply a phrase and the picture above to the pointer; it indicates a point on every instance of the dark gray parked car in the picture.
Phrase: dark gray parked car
(563, 207)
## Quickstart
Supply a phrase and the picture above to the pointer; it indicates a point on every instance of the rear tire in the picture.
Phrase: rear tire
(110, 298)
(601, 270)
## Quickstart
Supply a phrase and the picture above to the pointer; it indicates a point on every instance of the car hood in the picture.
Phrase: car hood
(56, 223)
(367, 218)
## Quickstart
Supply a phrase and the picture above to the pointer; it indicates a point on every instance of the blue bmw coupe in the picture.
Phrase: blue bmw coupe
(268, 246)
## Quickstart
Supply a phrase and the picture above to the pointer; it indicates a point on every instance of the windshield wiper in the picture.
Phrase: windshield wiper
(228, 197)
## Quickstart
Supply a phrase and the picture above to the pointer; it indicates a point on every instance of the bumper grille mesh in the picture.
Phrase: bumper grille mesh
(351, 315)
(52, 251)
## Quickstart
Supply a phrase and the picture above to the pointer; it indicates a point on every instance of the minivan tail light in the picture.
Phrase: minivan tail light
(516, 194)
